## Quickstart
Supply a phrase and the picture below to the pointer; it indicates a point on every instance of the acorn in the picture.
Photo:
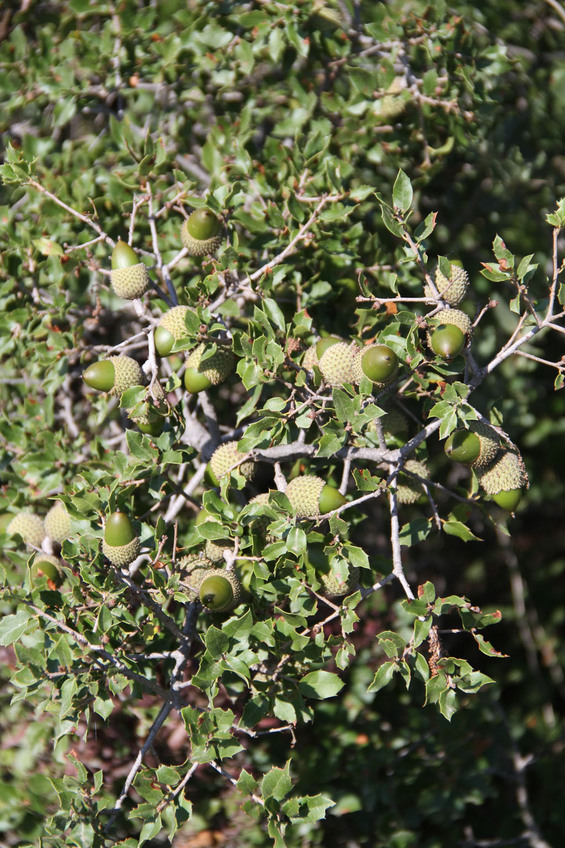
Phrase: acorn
(113, 375)
(193, 568)
(47, 565)
(220, 590)
(311, 496)
(214, 550)
(200, 233)
(129, 276)
(378, 362)
(337, 363)
(170, 329)
(476, 446)
(201, 375)
(153, 420)
(506, 479)
(408, 489)
(225, 458)
(121, 543)
(57, 523)
(29, 526)
(452, 289)
(315, 351)
(449, 333)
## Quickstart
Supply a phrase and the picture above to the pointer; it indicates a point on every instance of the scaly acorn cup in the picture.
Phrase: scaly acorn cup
(129, 276)
(408, 489)
(225, 458)
(505, 480)
(220, 590)
(200, 233)
(120, 544)
(214, 550)
(29, 526)
(337, 363)
(476, 446)
(449, 333)
(193, 568)
(47, 565)
(113, 375)
(57, 523)
(170, 329)
(311, 496)
(378, 362)
(201, 375)
(451, 289)
(332, 586)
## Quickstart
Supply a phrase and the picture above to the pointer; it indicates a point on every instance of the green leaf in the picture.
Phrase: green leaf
(320, 685)
(456, 528)
(13, 626)
(402, 192)
(277, 783)
(384, 675)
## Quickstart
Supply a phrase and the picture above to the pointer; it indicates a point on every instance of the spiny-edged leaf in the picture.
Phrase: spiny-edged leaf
(12, 626)
(277, 783)
(384, 675)
(456, 528)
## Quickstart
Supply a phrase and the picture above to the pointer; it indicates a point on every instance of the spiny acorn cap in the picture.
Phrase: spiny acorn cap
(506, 474)
(129, 276)
(225, 457)
(58, 522)
(171, 328)
(337, 363)
(333, 587)
(489, 443)
(200, 232)
(201, 375)
(193, 569)
(408, 489)
(452, 289)
(30, 527)
(311, 496)
(120, 543)
(48, 565)
(214, 550)
(220, 590)
(310, 358)
(453, 316)
(113, 375)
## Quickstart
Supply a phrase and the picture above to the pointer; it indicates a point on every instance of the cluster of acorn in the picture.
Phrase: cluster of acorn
(35, 532)
(500, 470)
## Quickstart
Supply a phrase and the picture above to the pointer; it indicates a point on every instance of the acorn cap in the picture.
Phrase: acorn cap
(170, 329)
(333, 587)
(506, 474)
(337, 363)
(200, 232)
(408, 489)
(130, 283)
(193, 569)
(58, 522)
(451, 289)
(29, 526)
(113, 375)
(121, 555)
(47, 565)
(201, 375)
(220, 590)
(225, 457)
(215, 550)
(324, 343)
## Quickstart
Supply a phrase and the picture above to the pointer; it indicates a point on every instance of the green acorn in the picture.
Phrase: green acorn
(220, 590)
(408, 489)
(449, 333)
(311, 496)
(378, 362)
(113, 375)
(200, 233)
(129, 276)
(58, 523)
(476, 446)
(506, 479)
(47, 565)
(29, 526)
(170, 329)
(337, 363)
(214, 550)
(201, 375)
(223, 460)
(313, 353)
(153, 420)
(451, 289)
(121, 543)
(193, 568)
